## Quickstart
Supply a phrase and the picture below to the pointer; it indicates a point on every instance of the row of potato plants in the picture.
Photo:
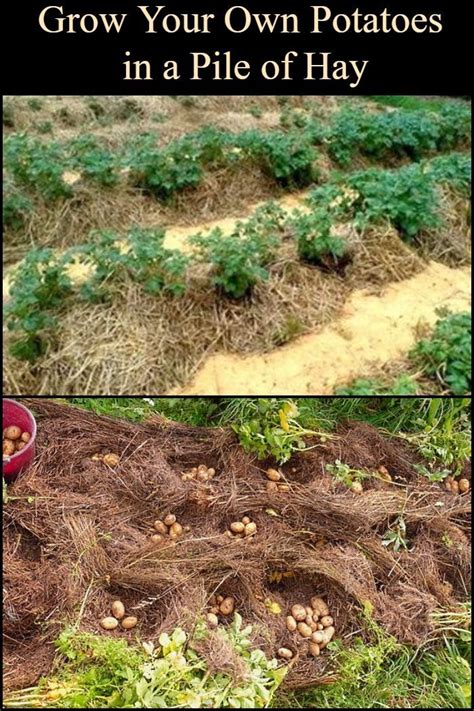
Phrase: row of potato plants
(407, 198)
(288, 156)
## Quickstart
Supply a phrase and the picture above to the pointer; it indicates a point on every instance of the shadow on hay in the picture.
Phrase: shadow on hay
(86, 538)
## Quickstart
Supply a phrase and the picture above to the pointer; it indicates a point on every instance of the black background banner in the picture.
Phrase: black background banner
(35, 62)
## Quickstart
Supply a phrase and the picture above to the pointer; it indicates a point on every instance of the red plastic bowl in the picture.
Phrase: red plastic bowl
(16, 414)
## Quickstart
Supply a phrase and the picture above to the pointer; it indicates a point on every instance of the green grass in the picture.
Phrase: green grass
(387, 675)
(414, 103)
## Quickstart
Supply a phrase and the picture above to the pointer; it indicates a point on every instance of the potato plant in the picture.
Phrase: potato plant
(316, 244)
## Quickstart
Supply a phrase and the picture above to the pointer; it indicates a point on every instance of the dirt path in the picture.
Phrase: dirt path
(372, 330)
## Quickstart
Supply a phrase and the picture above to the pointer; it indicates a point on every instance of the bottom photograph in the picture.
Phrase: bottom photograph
(236, 552)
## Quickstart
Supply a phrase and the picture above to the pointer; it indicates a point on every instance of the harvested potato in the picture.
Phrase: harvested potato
(160, 527)
(176, 530)
(298, 612)
(285, 653)
(12, 432)
(314, 649)
(211, 472)
(237, 527)
(212, 620)
(309, 620)
(464, 485)
(272, 487)
(309, 610)
(273, 475)
(157, 538)
(219, 598)
(455, 487)
(111, 460)
(20, 445)
(328, 635)
(291, 623)
(327, 621)
(169, 520)
(318, 604)
(25, 437)
(447, 484)
(227, 606)
(320, 626)
(250, 529)
(202, 469)
(357, 487)
(283, 487)
(129, 623)
(109, 623)
(8, 447)
(318, 637)
(246, 520)
(304, 629)
(118, 609)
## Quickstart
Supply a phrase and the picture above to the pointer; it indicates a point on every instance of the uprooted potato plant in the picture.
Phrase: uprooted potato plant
(78, 536)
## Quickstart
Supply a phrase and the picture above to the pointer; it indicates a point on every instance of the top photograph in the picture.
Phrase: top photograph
(236, 245)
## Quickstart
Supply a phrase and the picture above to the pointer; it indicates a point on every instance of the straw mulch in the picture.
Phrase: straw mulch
(84, 538)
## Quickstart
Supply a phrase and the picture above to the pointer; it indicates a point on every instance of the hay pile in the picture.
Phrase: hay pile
(85, 539)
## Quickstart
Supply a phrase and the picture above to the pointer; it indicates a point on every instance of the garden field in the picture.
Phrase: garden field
(242, 245)
(239, 553)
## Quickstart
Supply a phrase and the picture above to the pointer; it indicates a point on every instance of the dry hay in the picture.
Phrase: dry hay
(86, 538)
(450, 243)
(141, 344)
(223, 192)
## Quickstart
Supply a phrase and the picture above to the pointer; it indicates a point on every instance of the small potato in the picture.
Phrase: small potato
(272, 487)
(237, 527)
(317, 637)
(309, 610)
(219, 598)
(464, 485)
(176, 530)
(109, 623)
(283, 487)
(227, 606)
(455, 487)
(382, 470)
(298, 612)
(246, 520)
(169, 519)
(211, 472)
(186, 476)
(212, 620)
(273, 475)
(25, 437)
(291, 623)
(327, 621)
(250, 529)
(320, 626)
(229, 534)
(160, 527)
(202, 476)
(315, 617)
(111, 460)
(357, 487)
(328, 635)
(304, 629)
(313, 626)
(309, 620)
(12, 432)
(157, 538)
(129, 623)
(314, 649)
(118, 609)
(202, 469)
(285, 653)
(8, 447)
(19, 445)
(214, 610)
(447, 485)
(318, 604)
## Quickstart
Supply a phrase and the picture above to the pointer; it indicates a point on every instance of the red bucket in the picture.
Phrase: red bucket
(16, 414)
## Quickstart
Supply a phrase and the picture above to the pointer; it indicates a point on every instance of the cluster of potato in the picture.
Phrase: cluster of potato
(313, 623)
(14, 440)
(274, 483)
(118, 617)
(219, 605)
(110, 459)
(200, 473)
(245, 528)
(168, 528)
(455, 486)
